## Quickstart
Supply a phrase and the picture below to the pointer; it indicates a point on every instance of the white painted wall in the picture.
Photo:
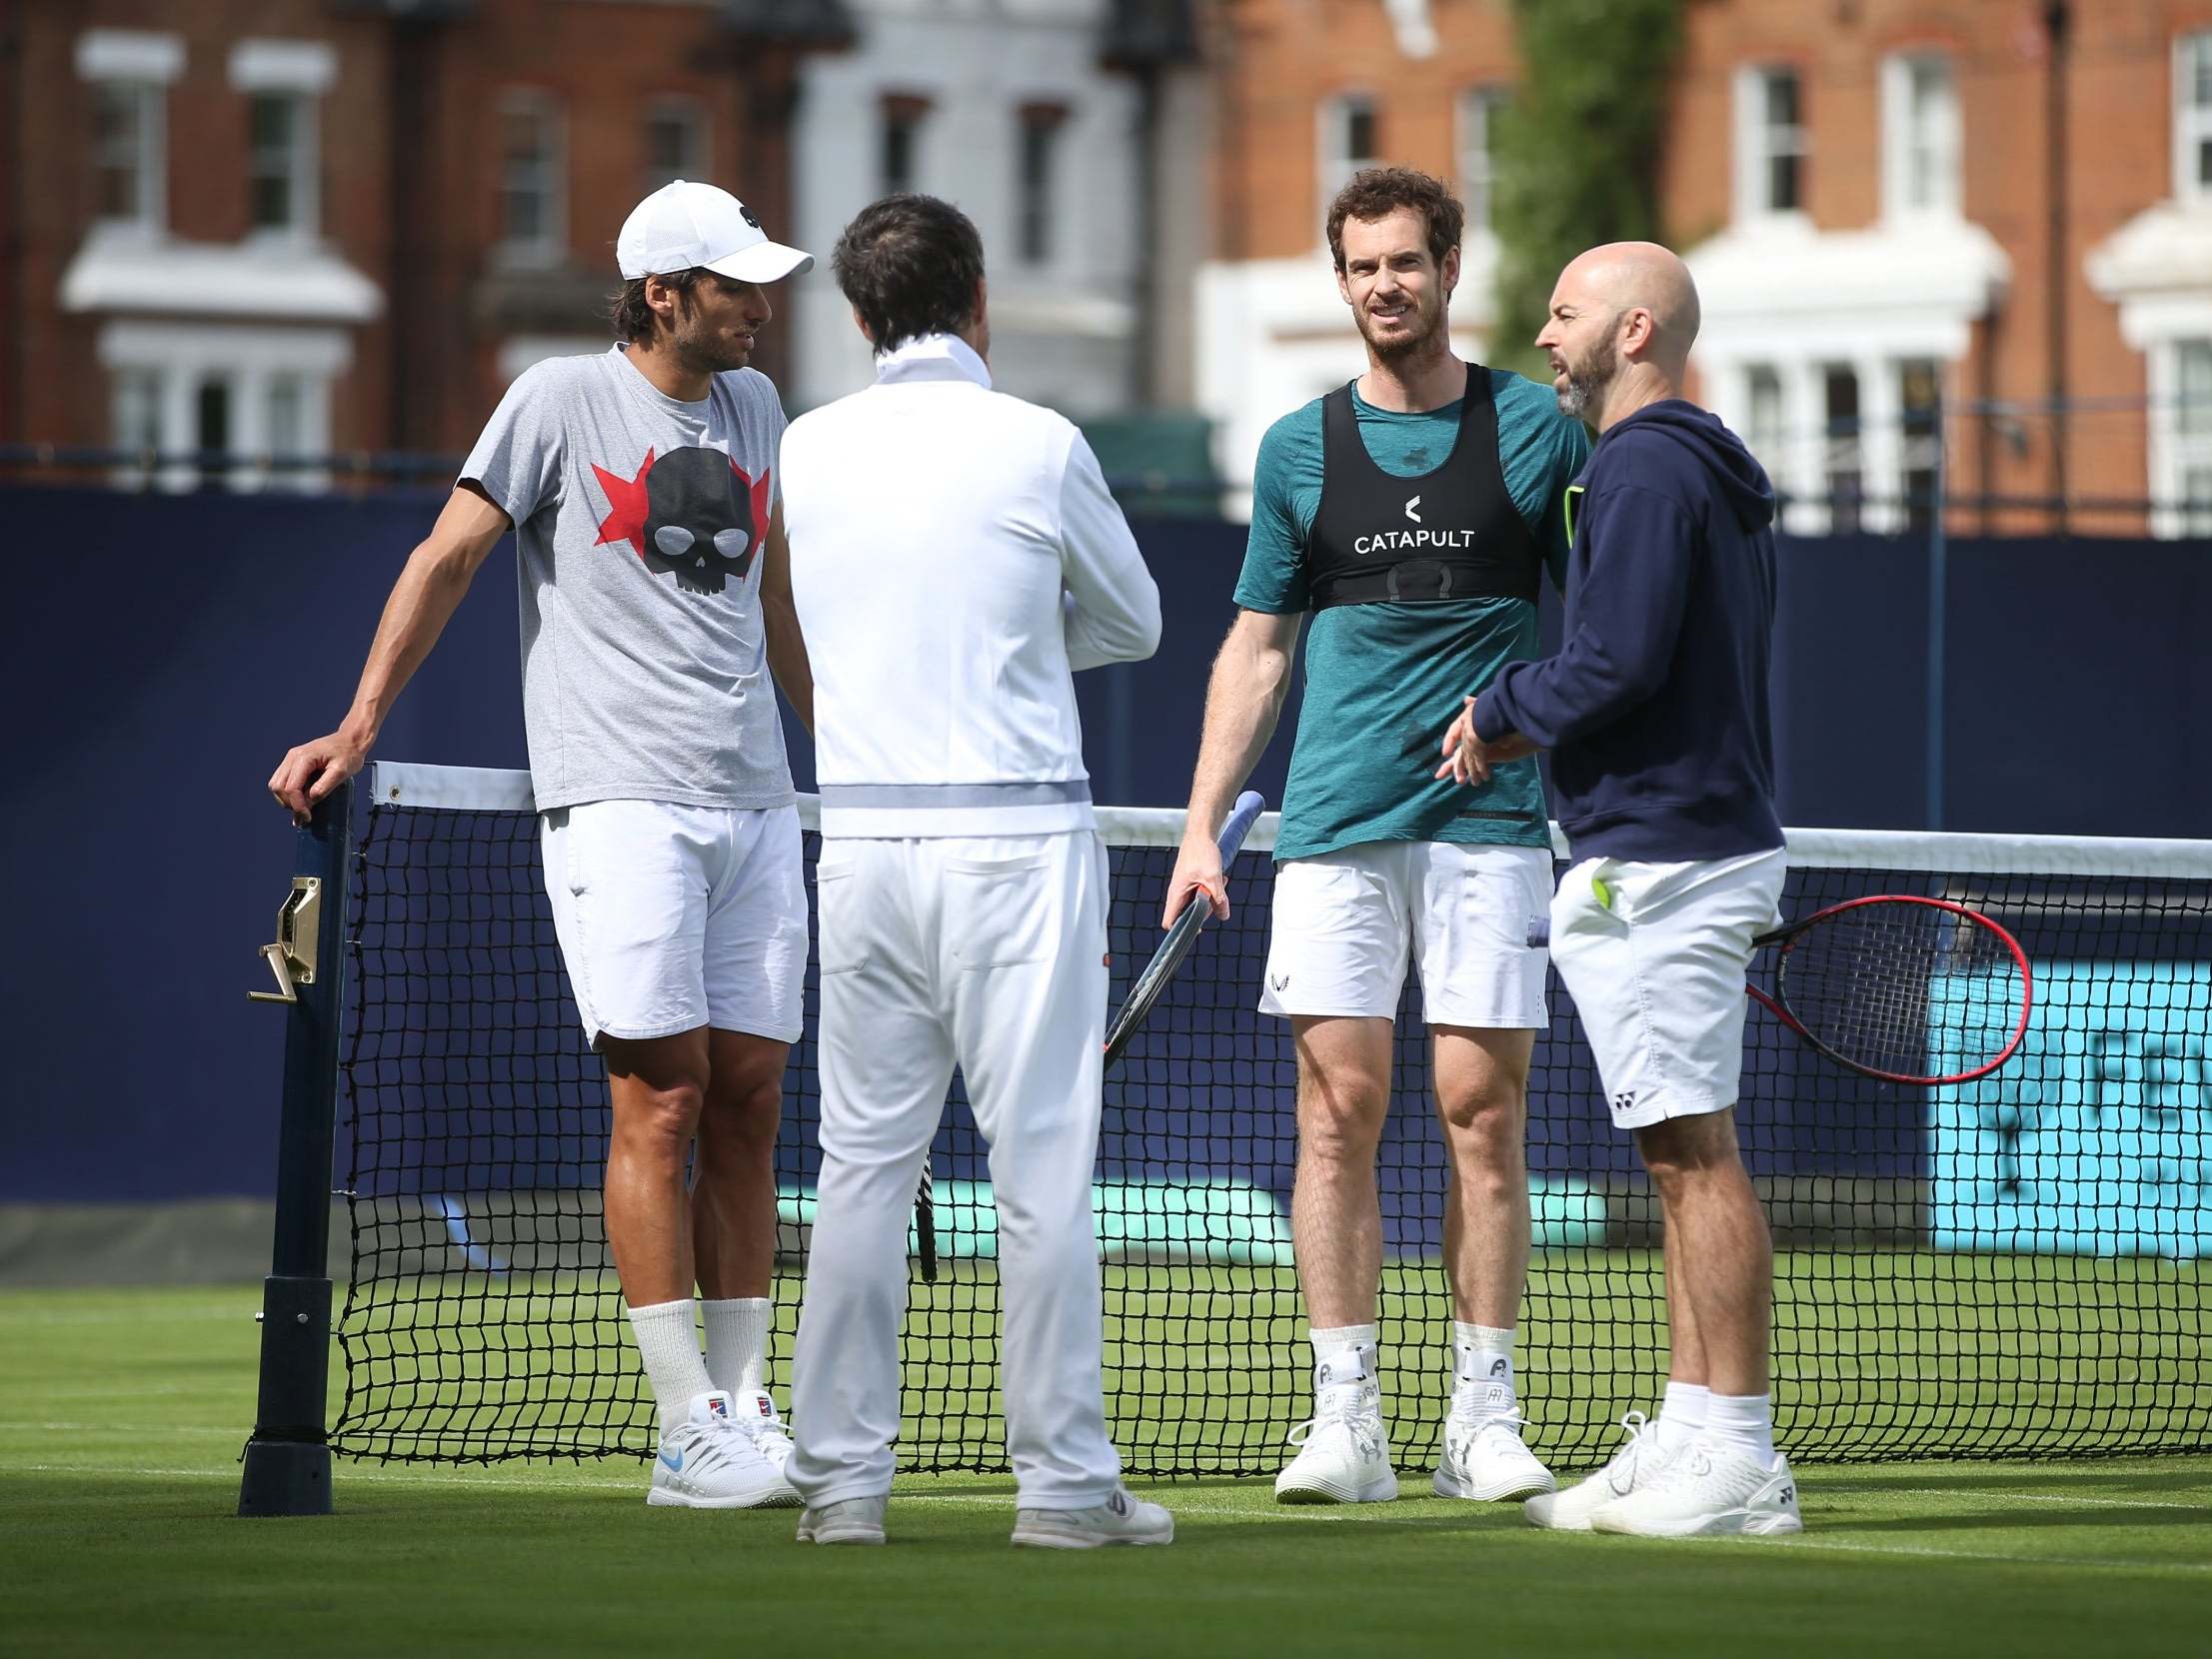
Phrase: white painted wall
(1064, 333)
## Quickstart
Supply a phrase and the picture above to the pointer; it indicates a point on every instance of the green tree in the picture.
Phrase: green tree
(1577, 147)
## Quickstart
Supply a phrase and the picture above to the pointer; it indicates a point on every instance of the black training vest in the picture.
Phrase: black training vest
(1452, 533)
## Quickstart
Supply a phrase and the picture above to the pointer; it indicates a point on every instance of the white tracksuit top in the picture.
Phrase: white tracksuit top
(954, 555)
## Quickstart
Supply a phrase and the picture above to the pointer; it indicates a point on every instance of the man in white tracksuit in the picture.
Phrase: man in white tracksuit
(955, 555)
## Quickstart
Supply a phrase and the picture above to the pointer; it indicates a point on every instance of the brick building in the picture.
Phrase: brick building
(2006, 204)
(297, 227)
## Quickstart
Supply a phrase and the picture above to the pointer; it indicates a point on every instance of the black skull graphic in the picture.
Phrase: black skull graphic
(692, 514)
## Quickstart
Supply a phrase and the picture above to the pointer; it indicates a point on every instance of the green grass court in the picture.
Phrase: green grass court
(122, 1413)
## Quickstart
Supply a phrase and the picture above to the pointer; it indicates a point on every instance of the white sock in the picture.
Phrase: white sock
(1744, 1424)
(668, 1342)
(1348, 1353)
(737, 1343)
(1482, 1369)
(1682, 1415)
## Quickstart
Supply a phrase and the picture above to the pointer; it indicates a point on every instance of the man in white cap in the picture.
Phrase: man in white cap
(641, 485)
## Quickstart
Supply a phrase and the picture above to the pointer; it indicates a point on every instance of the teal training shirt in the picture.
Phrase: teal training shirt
(1383, 682)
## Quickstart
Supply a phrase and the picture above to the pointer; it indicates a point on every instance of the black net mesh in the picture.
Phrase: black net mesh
(2008, 1268)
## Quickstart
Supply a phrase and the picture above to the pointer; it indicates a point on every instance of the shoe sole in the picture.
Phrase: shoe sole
(1456, 1486)
(662, 1498)
(841, 1535)
(1028, 1539)
(1548, 1522)
(1730, 1523)
(1320, 1491)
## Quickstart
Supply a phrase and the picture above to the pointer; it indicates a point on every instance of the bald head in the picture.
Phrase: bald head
(1622, 319)
(1625, 276)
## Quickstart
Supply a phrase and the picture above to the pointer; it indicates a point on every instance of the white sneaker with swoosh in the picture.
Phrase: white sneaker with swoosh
(705, 1462)
(1635, 1466)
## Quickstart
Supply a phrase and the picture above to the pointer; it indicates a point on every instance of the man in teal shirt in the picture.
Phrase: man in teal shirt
(1412, 513)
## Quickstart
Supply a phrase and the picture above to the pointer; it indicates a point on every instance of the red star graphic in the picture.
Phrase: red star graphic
(628, 505)
(758, 489)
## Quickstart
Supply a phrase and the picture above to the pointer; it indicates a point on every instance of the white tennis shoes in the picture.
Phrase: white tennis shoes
(709, 1461)
(1344, 1454)
(1705, 1489)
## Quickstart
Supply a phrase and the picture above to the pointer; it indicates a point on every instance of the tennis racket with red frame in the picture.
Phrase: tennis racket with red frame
(1870, 982)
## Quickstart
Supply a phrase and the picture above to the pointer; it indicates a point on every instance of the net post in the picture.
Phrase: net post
(287, 1462)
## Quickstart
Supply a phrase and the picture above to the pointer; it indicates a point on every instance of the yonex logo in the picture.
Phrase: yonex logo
(1789, 1494)
(1625, 1100)
(1411, 510)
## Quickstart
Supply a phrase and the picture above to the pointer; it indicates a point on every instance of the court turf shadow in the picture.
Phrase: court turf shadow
(2030, 1515)
(2055, 1479)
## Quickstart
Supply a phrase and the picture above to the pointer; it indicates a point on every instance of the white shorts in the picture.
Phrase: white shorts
(1658, 974)
(672, 918)
(1346, 921)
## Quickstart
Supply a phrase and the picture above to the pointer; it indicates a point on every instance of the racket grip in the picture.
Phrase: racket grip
(925, 1223)
(1539, 932)
(1242, 818)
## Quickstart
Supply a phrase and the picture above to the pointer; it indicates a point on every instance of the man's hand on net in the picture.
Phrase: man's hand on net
(1197, 869)
(311, 771)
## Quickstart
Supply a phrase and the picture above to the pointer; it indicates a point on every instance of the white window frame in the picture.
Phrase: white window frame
(1048, 203)
(301, 72)
(303, 167)
(174, 359)
(2176, 452)
(692, 114)
(150, 164)
(1753, 146)
(1474, 123)
(550, 245)
(2192, 121)
(1333, 133)
(1911, 127)
(140, 66)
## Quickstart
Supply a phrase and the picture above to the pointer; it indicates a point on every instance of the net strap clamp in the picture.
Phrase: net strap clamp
(287, 1462)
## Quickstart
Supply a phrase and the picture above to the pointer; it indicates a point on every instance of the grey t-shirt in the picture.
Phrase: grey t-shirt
(638, 526)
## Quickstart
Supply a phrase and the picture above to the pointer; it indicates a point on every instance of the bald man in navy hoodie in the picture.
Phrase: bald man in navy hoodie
(1655, 710)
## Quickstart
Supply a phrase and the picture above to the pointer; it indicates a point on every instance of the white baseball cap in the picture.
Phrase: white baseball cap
(683, 225)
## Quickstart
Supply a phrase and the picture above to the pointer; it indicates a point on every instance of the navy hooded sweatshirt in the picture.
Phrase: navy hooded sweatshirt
(1656, 707)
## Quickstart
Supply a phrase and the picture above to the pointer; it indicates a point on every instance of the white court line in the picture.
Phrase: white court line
(1235, 1515)
(111, 1428)
(2204, 1509)
(1852, 1547)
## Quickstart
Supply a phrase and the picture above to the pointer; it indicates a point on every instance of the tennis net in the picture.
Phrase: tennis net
(2007, 1268)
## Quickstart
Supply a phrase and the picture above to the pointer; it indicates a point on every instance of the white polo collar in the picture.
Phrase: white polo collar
(932, 357)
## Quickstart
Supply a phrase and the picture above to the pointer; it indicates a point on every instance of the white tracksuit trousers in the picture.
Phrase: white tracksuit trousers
(988, 953)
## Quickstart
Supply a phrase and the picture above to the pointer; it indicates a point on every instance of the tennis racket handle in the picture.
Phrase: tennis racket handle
(1539, 932)
(1242, 818)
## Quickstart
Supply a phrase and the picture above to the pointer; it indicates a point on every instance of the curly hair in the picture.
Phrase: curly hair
(632, 316)
(1379, 192)
(908, 264)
